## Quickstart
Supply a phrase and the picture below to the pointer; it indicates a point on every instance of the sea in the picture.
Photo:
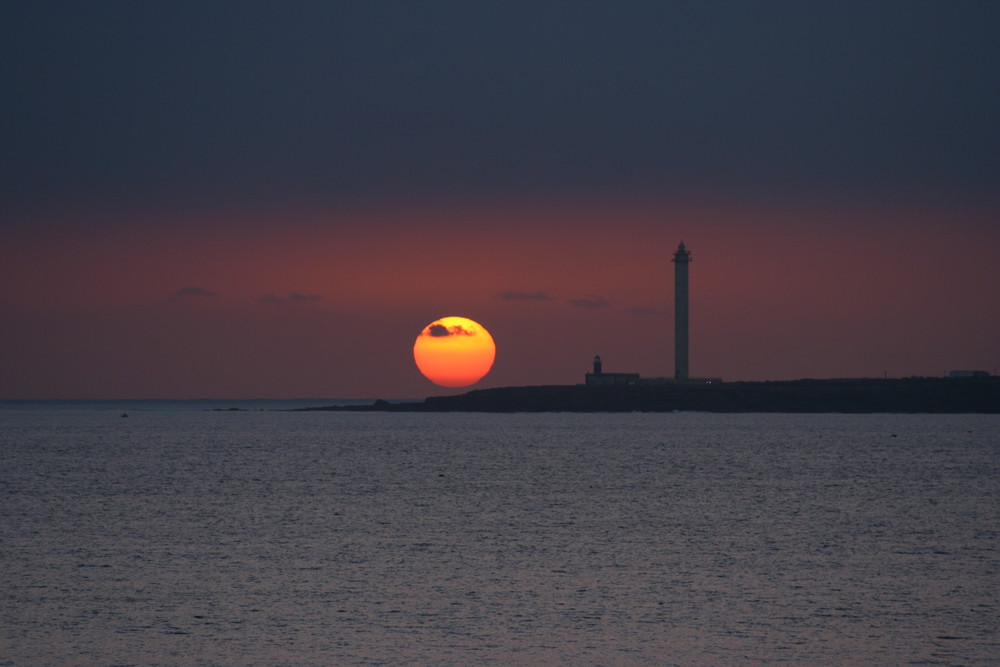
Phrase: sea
(190, 533)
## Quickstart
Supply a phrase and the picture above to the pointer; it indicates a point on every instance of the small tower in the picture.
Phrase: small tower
(597, 365)
(681, 260)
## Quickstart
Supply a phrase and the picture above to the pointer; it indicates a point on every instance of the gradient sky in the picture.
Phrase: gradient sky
(272, 199)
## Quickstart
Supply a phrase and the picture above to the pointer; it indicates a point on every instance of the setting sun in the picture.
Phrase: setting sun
(454, 352)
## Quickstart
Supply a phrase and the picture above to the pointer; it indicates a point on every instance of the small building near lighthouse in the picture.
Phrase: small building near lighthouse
(599, 377)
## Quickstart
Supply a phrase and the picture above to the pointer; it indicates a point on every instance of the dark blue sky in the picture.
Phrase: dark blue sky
(229, 101)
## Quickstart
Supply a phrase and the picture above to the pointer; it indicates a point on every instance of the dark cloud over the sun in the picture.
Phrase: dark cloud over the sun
(441, 331)
(251, 100)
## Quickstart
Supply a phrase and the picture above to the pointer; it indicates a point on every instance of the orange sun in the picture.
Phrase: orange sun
(454, 352)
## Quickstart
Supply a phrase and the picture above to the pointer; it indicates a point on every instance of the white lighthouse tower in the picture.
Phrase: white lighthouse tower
(681, 260)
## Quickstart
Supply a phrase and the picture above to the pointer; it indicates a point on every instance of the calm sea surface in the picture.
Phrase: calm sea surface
(182, 536)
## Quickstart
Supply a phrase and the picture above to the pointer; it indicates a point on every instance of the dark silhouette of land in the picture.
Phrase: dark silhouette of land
(912, 395)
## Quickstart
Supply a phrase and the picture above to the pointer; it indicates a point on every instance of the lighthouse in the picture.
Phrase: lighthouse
(681, 260)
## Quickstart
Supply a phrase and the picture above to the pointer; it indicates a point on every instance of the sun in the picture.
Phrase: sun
(454, 352)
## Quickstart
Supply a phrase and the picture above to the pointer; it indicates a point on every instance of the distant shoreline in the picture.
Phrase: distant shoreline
(905, 395)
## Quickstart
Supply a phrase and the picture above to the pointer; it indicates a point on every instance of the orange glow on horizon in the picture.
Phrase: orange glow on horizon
(454, 352)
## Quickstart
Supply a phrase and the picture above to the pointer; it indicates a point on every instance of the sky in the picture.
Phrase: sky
(273, 199)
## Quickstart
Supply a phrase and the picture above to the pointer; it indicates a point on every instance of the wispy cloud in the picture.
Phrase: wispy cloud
(590, 301)
(293, 297)
(643, 310)
(524, 296)
(186, 292)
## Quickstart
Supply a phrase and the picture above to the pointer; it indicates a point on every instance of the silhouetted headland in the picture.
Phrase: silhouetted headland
(905, 395)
